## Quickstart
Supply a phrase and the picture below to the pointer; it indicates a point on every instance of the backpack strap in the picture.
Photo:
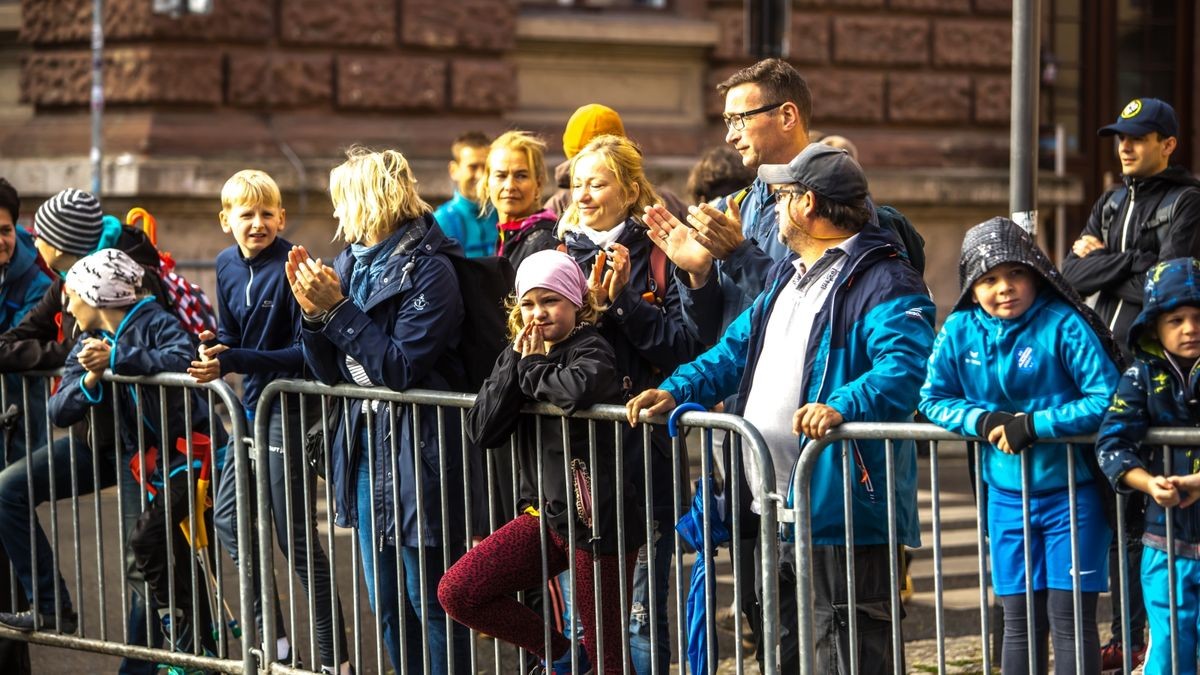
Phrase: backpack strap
(1165, 213)
(1108, 213)
(737, 198)
(656, 277)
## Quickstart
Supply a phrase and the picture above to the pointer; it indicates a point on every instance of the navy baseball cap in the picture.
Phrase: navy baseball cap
(830, 172)
(1143, 115)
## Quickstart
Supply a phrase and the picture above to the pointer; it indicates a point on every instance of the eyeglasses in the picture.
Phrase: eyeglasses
(737, 121)
(797, 191)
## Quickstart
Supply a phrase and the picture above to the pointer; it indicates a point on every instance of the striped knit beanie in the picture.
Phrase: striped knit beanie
(70, 221)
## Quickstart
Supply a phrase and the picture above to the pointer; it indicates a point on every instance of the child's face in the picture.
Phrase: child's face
(1179, 332)
(1006, 291)
(549, 310)
(254, 226)
(468, 169)
(86, 316)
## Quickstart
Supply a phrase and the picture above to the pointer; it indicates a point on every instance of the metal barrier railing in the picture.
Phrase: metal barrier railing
(483, 486)
(109, 464)
(798, 519)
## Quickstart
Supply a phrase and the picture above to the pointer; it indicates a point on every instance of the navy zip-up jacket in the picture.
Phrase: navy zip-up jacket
(404, 338)
(149, 341)
(649, 341)
(260, 319)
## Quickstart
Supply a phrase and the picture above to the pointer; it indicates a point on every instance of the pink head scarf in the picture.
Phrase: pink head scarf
(555, 271)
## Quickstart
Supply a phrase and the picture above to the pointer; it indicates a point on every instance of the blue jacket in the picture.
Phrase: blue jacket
(864, 358)
(25, 282)
(260, 320)
(1047, 363)
(150, 340)
(1154, 392)
(459, 218)
(740, 278)
(404, 338)
(649, 340)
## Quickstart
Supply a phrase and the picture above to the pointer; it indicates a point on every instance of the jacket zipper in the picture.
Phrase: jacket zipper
(1124, 245)
(249, 283)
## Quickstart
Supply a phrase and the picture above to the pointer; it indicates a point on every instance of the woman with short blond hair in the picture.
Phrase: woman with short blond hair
(388, 313)
(514, 177)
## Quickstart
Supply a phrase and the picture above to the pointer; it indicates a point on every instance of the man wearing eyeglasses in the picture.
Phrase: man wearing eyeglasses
(768, 108)
(841, 333)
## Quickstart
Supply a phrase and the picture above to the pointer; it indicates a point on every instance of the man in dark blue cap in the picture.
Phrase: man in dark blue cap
(1151, 217)
(841, 333)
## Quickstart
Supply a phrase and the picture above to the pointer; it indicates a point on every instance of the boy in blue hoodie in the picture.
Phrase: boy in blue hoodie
(259, 338)
(1160, 390)
(125, 330)
(1021, 358)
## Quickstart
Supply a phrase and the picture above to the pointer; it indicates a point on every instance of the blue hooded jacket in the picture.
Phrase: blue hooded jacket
(1049, 362)
(865, 358)
(25, 282)
(459, 218)
(1156, 392)
(403, 337)
(150, 340)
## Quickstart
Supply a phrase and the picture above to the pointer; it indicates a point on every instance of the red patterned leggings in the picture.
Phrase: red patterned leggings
(478, 591)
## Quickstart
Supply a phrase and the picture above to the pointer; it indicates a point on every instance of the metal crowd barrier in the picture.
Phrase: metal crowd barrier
(799, 520)
(310, 406)
(93, 581)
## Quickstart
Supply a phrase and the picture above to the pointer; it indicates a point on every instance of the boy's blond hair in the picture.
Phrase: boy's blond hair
(372, 193)
(623, 157)
(535, 155)
(590, 312)
(250, 187)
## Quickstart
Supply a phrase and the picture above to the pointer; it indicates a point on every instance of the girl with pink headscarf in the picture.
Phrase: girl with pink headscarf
(557, 357)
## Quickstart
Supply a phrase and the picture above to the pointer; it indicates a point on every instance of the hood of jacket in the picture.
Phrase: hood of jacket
(1169, 285)
(24, 256)
(1000, 240)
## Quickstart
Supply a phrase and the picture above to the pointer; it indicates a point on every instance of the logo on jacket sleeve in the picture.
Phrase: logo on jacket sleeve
(420, 303)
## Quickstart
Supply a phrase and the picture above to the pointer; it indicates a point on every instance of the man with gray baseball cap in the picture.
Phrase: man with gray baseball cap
(842, 332)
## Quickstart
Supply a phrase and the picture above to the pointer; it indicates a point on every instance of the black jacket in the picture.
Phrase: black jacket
(577, 374)
(1117, 274)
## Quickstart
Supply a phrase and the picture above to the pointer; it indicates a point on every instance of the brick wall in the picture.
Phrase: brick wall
(913, 82)
(344, 61)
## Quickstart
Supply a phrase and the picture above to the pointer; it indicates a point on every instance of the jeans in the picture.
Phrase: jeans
(639, 609)
(329, 627)
(15, 530)
(383, 570)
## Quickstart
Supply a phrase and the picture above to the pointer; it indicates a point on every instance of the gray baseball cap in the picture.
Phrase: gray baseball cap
(828, 171)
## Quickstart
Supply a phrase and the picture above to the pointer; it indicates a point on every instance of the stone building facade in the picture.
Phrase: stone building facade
(921, 87)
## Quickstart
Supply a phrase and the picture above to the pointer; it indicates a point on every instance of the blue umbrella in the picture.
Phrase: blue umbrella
(706, 506)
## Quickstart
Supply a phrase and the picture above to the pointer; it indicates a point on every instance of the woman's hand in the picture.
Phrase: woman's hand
(316, 286)
(608, 283)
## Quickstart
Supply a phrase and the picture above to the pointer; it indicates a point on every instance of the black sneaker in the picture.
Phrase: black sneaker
(24, 621)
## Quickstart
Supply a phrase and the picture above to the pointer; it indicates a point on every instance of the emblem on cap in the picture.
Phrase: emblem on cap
(1132, 109)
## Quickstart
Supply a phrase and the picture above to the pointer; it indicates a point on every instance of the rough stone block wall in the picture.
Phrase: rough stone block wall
(420, 58)
(932, 68)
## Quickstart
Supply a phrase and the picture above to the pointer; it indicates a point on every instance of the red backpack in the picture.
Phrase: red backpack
(187, 300)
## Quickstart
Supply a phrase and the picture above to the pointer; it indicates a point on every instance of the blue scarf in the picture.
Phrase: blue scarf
(369, 262)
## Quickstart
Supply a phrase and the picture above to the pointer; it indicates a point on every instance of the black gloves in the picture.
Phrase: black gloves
(1019, 432)
(1017, 428)
(990, 421)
